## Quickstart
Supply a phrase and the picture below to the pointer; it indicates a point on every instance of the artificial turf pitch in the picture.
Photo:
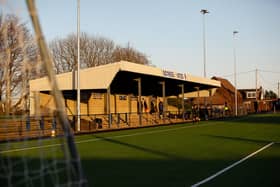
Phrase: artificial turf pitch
(180, 155)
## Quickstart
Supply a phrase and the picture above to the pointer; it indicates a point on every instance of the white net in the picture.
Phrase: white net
(35, 150)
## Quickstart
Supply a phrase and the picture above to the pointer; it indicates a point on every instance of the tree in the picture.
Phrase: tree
(270, 94)
(129, 54)
(94, 51)
(18, 54)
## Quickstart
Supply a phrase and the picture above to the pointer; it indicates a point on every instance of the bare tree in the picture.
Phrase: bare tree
(64, 54)
(94, 51)
(17, 53)
(130, 54)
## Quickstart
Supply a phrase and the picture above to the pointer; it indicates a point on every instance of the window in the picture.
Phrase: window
(251, 95)
(122, 97)
(97, 96)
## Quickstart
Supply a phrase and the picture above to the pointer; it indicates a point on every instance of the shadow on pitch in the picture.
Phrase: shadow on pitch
(272, 119)
(138, 172)
(140, 148)
(239, 139)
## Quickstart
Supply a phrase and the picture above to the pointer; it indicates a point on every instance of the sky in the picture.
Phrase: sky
(170, 33)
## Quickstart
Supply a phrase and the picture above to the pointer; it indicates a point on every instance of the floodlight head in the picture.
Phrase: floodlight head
(235, 32)
(204, 11)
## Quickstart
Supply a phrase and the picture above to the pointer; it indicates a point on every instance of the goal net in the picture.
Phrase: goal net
(39, 149)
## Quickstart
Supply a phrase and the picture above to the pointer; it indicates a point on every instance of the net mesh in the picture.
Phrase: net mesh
(35, 150)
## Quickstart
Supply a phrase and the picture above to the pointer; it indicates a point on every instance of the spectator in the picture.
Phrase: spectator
(226, 109)
(145, 105)
(152, 108)
(160, 109)
(195, 114)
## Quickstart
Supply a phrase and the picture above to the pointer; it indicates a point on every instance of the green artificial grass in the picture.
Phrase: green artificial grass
(175, 155)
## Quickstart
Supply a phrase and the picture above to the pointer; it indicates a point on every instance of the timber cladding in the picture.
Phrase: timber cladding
(96, 103)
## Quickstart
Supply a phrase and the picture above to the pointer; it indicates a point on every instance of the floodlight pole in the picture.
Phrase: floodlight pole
(234, 59)
(203, 12)
(78, 69)
(278, 89)
(257, 85)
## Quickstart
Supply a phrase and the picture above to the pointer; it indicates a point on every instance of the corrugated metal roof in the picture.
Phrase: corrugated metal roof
(102, 76)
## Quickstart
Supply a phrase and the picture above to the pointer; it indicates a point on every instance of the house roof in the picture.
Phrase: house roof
(226, 93)
(225, 83)
(120, 77)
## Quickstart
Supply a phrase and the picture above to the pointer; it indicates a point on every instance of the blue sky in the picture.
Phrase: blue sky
(170, 32)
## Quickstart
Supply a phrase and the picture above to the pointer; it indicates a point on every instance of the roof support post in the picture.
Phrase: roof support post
(210, 95)
(183, 101)
(115, 104)
(198, 99)
(129, 108)
(164, 99)
(37, 104)
(109, 106)
(139, 100)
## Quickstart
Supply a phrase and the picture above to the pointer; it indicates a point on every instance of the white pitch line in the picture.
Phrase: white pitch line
(29, 148)
(141, 133)
(99, 139)
(231, 166)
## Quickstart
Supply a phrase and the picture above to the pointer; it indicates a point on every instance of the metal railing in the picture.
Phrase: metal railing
(28, 127)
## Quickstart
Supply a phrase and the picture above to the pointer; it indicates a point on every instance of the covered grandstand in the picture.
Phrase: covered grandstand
(119, 95)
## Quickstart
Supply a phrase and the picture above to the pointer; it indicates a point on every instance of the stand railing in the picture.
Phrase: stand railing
(29, 127)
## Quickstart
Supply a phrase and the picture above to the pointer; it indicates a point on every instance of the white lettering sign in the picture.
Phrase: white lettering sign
(175, 75)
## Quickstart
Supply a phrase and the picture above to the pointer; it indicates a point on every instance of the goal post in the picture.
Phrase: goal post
(35, 150)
